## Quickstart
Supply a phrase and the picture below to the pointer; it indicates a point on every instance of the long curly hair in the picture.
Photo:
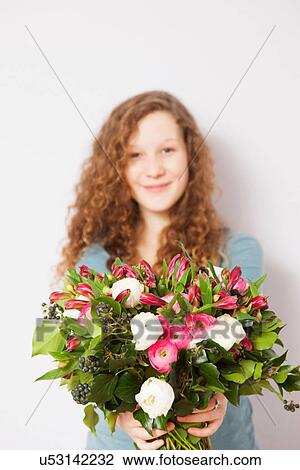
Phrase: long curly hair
(104, 211)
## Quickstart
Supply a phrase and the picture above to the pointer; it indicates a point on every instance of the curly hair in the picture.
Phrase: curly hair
(104, 211)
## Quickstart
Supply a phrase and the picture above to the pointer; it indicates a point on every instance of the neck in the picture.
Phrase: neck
(153, 223)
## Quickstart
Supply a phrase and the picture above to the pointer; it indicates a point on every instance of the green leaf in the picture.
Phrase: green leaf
(260, 280)
(266, 384)
(57, 373)
(205, 289)
(258, 370)
(128, 386)
(91, 418)
(111, 421)
(249, 388)
(183, 407)
(265, 341)
(282, 373)
(65, 355)
(211, 374)
(116, 306)
(232, 394)
(103, 388)
(46, 338)
(161, 422)
(144, 419)
(248, 367)
(234, 373)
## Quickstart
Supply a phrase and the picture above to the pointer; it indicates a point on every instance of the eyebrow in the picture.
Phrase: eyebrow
(166, 140)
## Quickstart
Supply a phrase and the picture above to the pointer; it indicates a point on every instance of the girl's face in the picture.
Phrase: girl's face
(157, 160)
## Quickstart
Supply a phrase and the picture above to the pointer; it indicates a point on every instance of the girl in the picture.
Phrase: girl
(149, 182)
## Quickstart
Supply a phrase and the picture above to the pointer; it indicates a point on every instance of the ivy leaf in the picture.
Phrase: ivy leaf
(128, 386)
(144, 419)
(47, 337)
(183, 407)
(211, 373)
(103, 388)
(264, 341)
(91, 418)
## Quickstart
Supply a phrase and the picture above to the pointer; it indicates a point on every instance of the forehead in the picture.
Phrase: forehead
(155, 128)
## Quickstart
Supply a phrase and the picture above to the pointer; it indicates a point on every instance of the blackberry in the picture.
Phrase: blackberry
(290, 406)
(102, 307)
(52, 310)
(89, 364)
(80, 393)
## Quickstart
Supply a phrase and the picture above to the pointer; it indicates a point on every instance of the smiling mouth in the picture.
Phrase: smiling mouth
(157, 187)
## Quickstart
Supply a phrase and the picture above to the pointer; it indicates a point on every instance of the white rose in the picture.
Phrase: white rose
(146, 329)
(155, 397)
(136, 288)
(226, 331)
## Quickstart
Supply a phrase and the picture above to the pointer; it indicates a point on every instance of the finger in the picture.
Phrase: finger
(212, 403)
(202, 417)
(159, 432)
(144, 445)
(207, 431)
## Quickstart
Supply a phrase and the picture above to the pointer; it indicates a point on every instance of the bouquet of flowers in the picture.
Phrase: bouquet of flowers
(161, 346)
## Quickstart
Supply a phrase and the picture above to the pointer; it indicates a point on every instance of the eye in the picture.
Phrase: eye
(169, 149)
(134, 155)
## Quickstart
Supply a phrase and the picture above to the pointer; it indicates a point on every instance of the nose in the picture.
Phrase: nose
(154, 166)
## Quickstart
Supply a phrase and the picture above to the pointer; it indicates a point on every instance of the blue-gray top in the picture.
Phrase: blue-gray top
(236, 431)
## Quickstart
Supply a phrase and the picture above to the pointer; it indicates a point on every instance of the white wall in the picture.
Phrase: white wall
(104, 52)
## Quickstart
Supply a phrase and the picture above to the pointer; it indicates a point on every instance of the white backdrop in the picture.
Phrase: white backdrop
(237, 58)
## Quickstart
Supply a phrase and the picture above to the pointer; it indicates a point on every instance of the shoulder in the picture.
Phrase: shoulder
(245, 250)
(240, 240)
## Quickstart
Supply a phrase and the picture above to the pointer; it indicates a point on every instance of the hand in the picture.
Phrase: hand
(138, 434)
(214, 416)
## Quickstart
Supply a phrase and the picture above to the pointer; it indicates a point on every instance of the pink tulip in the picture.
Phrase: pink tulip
(72, 343)
(180, 336)
(122, 294)
(123, 271)
(161, 354)
(260, 301)
(184, 264)
(171, 265)
(86, 311)
(226, 301)
(149, 274)
(84, 271)
(55, 296)
(85, 289)
(151, 299)
(75, 304)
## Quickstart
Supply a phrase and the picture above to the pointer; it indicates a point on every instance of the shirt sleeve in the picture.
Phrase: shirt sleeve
(244, 250)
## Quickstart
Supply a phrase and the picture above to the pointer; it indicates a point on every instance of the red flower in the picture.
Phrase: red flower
(75, 304)
(227, 302)
(145, 267)
(123, 271)
(72, 343)
(152, 299)
(246, 343)
(84, 271)
(171, 265)
(85, 289)
(260, 301)
(54, 296)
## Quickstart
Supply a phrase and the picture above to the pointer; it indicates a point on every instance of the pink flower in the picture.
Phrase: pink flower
(246, 343)
(84, 271)
(194, 294)
(165, 324)
(161, 354)
(54, 296)
(260, 301)
(171, 265)
(147, 271)
(235, 280)
(180, 336)
(86, 311)
(72, 343)
(123, 271)
(199, 323)
(85, 289)
(152, 299)
(75, 304)
(226, 301)
(184, 264)
(100, 276)
(122, 294)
